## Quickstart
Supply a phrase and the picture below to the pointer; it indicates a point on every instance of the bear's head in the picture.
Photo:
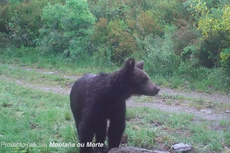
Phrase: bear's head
(139, 81)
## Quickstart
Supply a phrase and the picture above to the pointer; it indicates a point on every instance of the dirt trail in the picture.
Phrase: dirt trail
(156, 103)
(198, 95)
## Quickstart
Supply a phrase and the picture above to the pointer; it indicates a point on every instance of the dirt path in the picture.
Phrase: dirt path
(198, 95)
(156, 103)
(164, 91)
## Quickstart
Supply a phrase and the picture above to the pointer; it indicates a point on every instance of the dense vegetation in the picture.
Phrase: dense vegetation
(185, 41)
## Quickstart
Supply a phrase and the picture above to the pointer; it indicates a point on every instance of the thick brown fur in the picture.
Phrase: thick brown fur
(94, 99)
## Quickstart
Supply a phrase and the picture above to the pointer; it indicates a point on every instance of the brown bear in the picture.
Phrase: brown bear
(94, 99)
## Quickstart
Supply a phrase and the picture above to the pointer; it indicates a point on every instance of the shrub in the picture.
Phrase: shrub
(114, 36)
(4, 40)
(225, 57)
(67, 28)
(148, 25)
(159, 55)
(122, 26)
(123, 43)
(212, 20)
(22, 19)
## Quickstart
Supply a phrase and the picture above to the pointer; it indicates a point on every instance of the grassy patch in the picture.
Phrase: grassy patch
(32, 116)
(33, 58)
(34, 77)
(196, 103)
(156, 129)
(225, 123)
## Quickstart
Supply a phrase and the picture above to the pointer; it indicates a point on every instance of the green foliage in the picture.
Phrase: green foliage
(6, 14)
(192, 72)
(213, 21)
(66, 28)
(146, 24)
(190, 53)
(167, 10)
(114, 37)
(158, 54)
(109, 9)
(21, 20)
(122, 25)
(21, 34)
(185, 36)
(4, 40)
(225, 57)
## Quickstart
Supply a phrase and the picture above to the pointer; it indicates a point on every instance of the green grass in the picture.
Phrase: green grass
(29, 116)
(33, 58)
(196, 103)
(156, 129)
(32, 116)
(224, 123)
(34, 77)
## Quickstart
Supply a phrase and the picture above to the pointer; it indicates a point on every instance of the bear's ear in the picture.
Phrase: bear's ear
(140, 65)
(129, 64)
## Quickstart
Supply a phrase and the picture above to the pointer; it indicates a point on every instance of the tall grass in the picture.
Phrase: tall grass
(32, 57)
(158, 54)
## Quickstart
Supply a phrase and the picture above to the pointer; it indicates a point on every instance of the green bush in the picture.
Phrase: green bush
(66, 29)
(4, 40)
(122, 25)
(21, 20)
(6, 14)
(159, 55)
(115, 37)
(212, 20)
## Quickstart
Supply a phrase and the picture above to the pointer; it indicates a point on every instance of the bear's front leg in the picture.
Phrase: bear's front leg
(116, 129)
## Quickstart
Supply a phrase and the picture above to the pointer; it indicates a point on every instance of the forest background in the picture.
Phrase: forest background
(184, 43)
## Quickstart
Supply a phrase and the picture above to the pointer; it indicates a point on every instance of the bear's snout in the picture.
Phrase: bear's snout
(157, 89)
(154, 91)
(151, 89)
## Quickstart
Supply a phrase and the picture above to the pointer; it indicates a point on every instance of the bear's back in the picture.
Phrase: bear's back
(78, 93)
